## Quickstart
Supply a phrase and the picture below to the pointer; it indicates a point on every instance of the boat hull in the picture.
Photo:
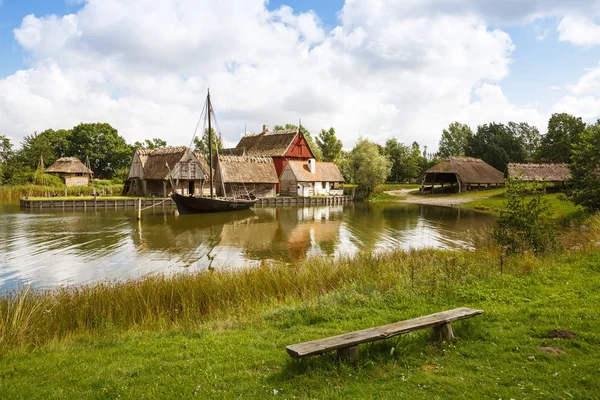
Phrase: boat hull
(201, 205)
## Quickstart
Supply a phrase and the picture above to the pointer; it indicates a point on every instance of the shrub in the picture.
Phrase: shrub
(526, 224)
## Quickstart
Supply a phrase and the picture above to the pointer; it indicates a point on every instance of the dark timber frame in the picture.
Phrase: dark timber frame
(347, 344)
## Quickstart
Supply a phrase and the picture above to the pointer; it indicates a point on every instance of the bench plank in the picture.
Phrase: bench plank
(321, 346)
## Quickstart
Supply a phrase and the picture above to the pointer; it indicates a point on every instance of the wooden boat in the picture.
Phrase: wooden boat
(197, 204)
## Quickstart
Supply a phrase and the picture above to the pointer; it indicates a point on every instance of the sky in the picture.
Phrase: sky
(378, 69)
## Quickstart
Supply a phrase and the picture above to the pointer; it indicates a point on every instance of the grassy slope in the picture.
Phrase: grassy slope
(242, 354)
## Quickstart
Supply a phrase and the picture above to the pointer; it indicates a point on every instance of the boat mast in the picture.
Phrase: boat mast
(208, 111)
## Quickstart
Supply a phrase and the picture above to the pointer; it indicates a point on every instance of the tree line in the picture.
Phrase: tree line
(568, 140)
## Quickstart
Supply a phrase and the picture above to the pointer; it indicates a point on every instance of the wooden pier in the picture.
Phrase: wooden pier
(166, 203)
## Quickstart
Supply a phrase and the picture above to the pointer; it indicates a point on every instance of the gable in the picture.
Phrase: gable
(299, 148)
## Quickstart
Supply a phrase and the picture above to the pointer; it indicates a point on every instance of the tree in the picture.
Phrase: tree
(496, 145)
(585, 169)
(563, 132)
(201, 144)
(329, 144)
(6, 155)
(528, 135)
(108, 152)
(311, 143)
(369, 167)
(399, 155)
(455, 140)
(155, 143)
(49, 144)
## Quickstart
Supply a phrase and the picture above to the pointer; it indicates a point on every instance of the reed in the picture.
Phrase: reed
(14, 192)
(31, 318)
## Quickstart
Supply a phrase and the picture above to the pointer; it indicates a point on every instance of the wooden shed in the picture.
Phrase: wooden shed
(311, 178)
(465, 172)
(150, 169)
(71, 170)
(539, 172)
(238, 175)
(280, 145)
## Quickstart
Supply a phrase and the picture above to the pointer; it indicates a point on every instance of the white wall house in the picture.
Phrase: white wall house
(311, 178)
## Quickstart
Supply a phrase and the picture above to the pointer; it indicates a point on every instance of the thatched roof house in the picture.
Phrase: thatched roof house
(465, 171)
(539, 172)
(311, 178)
(237, 174)
(150, 170)
(71, 170)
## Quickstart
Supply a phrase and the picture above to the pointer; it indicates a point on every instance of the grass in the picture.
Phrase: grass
(398, 186)
(235, 348)
(87, 198)
(14, 192)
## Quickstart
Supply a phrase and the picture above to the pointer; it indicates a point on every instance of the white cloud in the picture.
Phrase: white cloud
(580, 30)
(390, 69)
(588, 83)
(587, 107)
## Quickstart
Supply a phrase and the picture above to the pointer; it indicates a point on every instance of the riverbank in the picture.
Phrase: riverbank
(223, 334)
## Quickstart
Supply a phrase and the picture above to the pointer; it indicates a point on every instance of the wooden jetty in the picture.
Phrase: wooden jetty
(165, 203)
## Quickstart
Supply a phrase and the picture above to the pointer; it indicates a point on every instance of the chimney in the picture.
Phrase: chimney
(312, 165)
(265, 128)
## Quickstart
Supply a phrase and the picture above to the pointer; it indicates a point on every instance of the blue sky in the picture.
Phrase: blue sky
(544, 66)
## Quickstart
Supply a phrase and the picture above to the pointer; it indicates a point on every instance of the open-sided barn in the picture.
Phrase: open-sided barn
(465, 172)
(71, 170)
(539, 172)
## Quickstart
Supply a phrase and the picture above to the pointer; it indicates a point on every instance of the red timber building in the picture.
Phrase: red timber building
(281, 145)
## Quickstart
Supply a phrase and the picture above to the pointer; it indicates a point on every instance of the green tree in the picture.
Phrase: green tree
(496, 145)
(108, 152)
(585, 169)
(344, 163)
(201, 144)
(329, 144)
(155, 143)
(563, 132)
(311, 143)
(455, 140)
(528, 135)
(399, 155)
(6, 155)
(49, 144)
(369, 167)
(526, 224)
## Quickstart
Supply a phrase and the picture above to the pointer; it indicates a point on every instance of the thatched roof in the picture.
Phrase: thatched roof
(233, 151)
(468, 170)
(155, 166)
(268, 143)
(539, 172)
(324, 172)
(247, 169)
(68, 165)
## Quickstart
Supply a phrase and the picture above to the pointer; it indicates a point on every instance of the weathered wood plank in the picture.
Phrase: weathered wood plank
(351, 339)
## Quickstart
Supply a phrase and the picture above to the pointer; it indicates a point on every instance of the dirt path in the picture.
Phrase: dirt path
(430, 200)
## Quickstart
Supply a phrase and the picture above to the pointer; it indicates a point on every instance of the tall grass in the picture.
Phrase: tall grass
(14, 192)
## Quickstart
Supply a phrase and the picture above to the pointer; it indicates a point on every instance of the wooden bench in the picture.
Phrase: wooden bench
(347, 344)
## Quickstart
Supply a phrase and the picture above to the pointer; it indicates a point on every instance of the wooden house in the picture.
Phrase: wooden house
(465, 172)
(150, 170)
(238, 175)
(311, 178)
(71, 170)
(558, 173)
(281, 145)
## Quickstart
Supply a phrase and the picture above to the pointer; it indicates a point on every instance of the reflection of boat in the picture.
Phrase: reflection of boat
(196, 204)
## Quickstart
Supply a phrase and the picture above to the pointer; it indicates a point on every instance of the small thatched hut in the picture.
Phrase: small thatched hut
(71, 170)
(466, 172)
(311, 178)
(237, 174)
(150, 170)
(539, 172)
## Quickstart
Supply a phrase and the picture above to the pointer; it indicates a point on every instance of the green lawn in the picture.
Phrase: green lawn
(241, 354)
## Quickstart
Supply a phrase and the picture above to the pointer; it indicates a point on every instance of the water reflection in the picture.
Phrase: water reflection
(53, 248)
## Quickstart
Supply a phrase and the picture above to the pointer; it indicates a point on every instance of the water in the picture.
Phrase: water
(53, 248)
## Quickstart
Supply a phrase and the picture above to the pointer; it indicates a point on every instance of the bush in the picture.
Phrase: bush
(526, 224)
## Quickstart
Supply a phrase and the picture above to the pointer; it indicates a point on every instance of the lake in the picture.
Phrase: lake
(47, 249)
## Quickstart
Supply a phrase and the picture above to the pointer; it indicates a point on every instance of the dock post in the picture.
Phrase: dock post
(139, 215)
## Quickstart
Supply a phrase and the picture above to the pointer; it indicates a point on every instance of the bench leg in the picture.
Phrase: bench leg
(348, 353)
(443, 333)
